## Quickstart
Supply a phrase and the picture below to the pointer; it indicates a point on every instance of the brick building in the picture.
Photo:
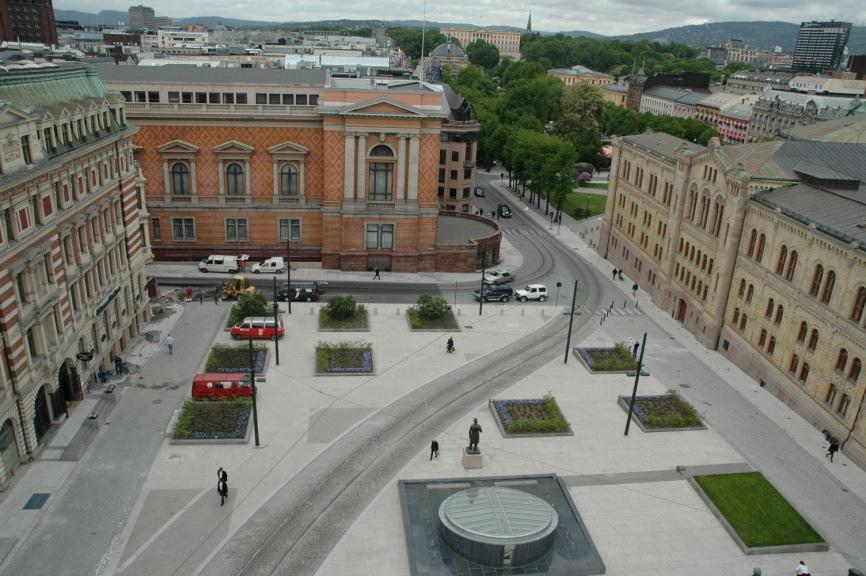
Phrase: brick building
(73, 246)
(244, 160)
(27, 21)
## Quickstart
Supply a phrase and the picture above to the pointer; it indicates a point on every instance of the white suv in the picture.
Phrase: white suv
(532, 292)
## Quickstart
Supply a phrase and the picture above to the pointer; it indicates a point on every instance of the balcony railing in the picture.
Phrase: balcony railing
(156, 108)
(380, 205)
(181, 199)
(289, 199)
(235, 199)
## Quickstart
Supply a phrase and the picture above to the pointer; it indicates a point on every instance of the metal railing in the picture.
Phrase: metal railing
(133, 108)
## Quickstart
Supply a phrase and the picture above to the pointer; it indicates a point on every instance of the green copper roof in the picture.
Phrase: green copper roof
(46, 87)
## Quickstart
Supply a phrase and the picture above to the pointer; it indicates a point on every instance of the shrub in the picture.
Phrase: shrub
(248, 305)
(431, 307)
(583, 178)
(584, 167)
(341, 307)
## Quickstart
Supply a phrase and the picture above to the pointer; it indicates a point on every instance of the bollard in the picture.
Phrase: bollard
(375, 311)
(502, 311)
(625, 303)
(311, 311)
(542, 312)
(201, 299)
(636, 305)
(523, 311)
(398, 311)
(611, 306)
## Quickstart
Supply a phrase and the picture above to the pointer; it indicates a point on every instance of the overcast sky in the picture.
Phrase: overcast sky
(602, 16)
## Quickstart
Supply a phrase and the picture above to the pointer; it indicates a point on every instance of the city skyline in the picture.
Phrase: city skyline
(608, 17)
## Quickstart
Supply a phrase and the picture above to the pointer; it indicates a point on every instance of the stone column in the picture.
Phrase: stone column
(193, 187)
(413, 168)
(401, 169)
(362, 166)
(349, 164)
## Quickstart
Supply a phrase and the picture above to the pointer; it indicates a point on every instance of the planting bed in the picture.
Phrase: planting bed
(344, 358)
(235, 359)
(664, 412)
(613, 359)
(220, 420)
(530, 417)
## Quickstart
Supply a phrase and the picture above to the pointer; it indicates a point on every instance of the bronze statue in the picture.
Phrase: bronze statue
(474, 436)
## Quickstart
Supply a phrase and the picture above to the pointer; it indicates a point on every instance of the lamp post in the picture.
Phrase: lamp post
(288, 267)
(276, 325)
(481, 293)
(570, 323)
(556, 302)
(253, 385)
(636, 380)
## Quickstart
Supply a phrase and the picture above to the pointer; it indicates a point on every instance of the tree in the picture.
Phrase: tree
(248, 305)
(431, 307)
(581, 111)
(482, 53)
(341, 307)
(409, 39)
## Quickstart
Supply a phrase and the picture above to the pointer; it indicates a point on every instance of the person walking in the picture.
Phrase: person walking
(634, 289)
(376, 274)
(634, 349)
(449, 346)
(832, 449)
(169, 342)
(222, 475)
(802, 569)
(434, 449)
(118, 366)
(614, 273)
(223, 489)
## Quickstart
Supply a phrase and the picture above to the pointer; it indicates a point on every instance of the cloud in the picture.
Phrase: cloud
(609, 17)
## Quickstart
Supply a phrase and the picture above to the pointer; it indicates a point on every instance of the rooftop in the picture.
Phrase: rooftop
(579, 71)
(662, 143)
(47, 87)
(688, 97)
(448, 50)
(614, 87)
(182, 74)
(847, 129)
(801, 99)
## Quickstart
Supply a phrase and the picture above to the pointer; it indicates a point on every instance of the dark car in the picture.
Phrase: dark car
(500, 293)
(504, 210)
(300, 292)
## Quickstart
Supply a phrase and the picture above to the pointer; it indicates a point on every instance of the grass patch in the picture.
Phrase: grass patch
(616, 359)
(445, 322)
(222, 419)
(666, 411)
(578, 200)
(357, 322)
(223, 357)
(534, 416)
(344, 357)
(755, 509)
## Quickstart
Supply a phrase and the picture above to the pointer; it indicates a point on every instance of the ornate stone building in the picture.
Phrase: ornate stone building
(73, 246)
(759, 251)
(777, 112)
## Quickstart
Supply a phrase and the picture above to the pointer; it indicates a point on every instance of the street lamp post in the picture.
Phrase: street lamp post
(570, 323)
(276, 325)
(288, 267)
(636, 380)
(253, 384)
(481, 292)
(556, 302)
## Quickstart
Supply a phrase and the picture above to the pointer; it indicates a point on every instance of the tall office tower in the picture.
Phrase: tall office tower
(820, 45)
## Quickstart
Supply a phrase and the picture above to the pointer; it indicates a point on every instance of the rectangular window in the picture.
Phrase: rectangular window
(236, 229)
(25, 149)
(156, 233)
(442, 175)
(380, 236)
(240, 98)
(467, 173)
(273, 98)
(443, 156)
(201, 97)
(228, 97)
(288, 99)
(127, 95)
(174, 97)
(186, 97)
(466, 192)
(301, 99)
(261, 98)
(213, 98)
(183, 228)
(314, 99)
(454, 174)
(290, 225)
(153, 96)
(455, 156)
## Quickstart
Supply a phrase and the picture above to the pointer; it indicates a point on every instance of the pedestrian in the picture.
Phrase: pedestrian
(833, 448)
(614, 273)
(223, 489)
(481, 211)
(634, 289)
(376, 274)
(634, 349)
(216, 296)
(802, 569)
(222, 475)
(169, 342)
(118, 365)
(619, 273)
(434, 449)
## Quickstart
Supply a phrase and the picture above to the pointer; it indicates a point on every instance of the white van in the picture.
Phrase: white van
(216, 263)
(275, 264)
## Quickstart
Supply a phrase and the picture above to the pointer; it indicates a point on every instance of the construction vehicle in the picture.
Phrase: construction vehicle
(239, 284)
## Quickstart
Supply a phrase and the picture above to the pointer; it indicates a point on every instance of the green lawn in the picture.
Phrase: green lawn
(575, 200)
(598, 185)
(758, 513)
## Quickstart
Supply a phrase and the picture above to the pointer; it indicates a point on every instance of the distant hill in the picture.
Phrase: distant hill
(107, 17)
(580, 33)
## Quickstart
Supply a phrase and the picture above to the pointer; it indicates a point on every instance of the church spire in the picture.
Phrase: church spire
(529, 22)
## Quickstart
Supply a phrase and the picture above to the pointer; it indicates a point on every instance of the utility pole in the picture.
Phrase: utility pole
(481, 293)
(253, 384)
(636, 380)
(288, 267)
(276, 325)
(570, 323)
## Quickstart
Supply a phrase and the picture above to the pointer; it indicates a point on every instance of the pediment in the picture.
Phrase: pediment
(177, 146)
(381, 107)
(9, 114)
(288, 148)
(233, 147)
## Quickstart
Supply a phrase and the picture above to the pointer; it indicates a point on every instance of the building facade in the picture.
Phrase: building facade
(709, 109)
(246, 160)
(28, 21)
(508, 43)
(757, 251)
(756, 82)
(820, 46)
(141, 17)
(734, 123)
(581, 75)
(777, 112)
(616, 93)
(458, 153)
(73, 245)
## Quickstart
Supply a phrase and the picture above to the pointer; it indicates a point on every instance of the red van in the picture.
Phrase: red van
(257, 328)
(215, 386)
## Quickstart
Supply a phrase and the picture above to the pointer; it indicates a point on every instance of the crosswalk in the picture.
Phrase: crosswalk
(618, 310)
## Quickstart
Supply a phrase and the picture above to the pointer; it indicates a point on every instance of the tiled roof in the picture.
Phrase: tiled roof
(662, 143)
(43, 88)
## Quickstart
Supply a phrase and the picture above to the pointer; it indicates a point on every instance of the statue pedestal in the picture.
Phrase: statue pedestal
(471, 460)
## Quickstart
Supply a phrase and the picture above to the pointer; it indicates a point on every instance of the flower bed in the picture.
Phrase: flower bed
(531, 416)
(220, 420)
(357, 322)
(663, 411)
(615, 359)
(445, 322)
(225, 359)
(344, 358)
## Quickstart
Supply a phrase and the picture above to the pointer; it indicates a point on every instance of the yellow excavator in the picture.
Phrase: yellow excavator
(239, 284)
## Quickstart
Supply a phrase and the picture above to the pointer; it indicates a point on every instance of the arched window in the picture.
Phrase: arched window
(801, 336)
(780, 313)
(771, 345)
(854, 373)
(759, 253)
(381, 173)
(234, 179)
(753, 237)
(179, 179)
(750, 292)
(804, 372)
(705, 210)
(742, 289)
(859, 304)
(816, 280)
(792, 265)
(841, 360)
(693, 204)
(795, 361)
(783, 256)
(762, 339)
(288, 180)
(829, 284)
(813, 339)
(770, 305)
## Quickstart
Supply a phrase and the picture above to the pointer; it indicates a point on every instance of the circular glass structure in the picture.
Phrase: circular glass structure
(497, 526)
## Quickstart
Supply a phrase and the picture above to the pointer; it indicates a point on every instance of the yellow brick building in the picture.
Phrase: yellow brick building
(508, 43)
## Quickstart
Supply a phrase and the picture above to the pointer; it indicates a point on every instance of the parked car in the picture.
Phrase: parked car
(500, 293)
(532, 292)
(479, 191)
(504, 210)
(300, 292)
(258, 328)
(216, 386)
(498, 277)
(275, 264)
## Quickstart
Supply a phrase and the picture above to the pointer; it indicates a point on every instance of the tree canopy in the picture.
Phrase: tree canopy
(483, 54)
(409, 40)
